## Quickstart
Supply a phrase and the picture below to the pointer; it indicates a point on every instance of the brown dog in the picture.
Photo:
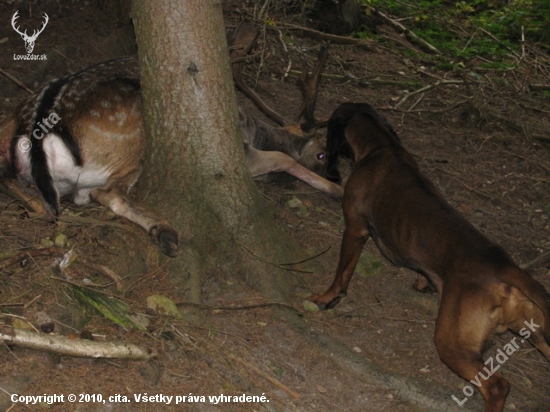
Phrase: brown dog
(482, 291)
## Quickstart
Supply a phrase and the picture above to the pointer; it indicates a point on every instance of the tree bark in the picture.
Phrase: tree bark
(194, 171)
(337, 16)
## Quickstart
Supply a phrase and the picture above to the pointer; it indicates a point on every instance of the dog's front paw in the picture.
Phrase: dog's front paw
(327, 300)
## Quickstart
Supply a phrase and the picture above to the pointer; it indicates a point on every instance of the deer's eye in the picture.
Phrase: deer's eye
(320, 156)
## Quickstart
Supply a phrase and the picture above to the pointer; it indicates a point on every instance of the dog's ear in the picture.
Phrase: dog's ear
(334, 175)
(337, 145)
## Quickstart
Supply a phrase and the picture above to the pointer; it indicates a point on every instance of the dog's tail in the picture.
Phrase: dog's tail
(534, 291)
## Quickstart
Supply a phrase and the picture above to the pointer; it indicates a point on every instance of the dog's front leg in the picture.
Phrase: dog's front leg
(352, 244)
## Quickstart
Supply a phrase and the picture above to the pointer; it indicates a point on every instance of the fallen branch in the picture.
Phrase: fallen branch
(262, 259)
(11, 188)
(448, 109)
(349, 77)
(539, 87)
(264, 375)
(538, 262)
(426, 88)
(245, 307)
(52, 251)
(49, 251)
(64, 346)
(104, 270)
(320, 36)
(398, 26)
(492, 36)
(79, 220)
(477, 191)
(16, 81)
(242, 41)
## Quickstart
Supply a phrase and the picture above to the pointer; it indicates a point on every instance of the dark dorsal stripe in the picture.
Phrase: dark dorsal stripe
(39, 164)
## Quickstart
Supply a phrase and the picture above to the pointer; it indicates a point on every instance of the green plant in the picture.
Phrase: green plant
(471, 28)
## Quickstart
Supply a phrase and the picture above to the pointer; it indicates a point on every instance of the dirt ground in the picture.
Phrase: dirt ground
(484, 142)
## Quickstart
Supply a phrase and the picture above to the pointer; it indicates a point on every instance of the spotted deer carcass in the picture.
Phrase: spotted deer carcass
(82, 136)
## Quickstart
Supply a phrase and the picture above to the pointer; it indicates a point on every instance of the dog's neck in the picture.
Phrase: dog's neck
(367, 136)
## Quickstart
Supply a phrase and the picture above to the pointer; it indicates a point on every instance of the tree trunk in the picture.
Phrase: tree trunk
(194, 172)
(337, 16)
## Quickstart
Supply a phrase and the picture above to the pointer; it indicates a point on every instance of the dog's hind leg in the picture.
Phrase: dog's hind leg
(526, 308)
(538, 340)
(462, 330)
(529, 320)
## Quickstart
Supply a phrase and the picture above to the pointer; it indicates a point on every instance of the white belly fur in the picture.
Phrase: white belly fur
(68, 178)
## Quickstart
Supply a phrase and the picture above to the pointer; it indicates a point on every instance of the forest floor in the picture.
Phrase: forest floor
(482, 139)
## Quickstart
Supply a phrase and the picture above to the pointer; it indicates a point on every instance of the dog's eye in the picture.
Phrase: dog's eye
(320, 156)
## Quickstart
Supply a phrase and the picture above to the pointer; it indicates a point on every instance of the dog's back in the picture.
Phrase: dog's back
(482, 290)
(399, 199)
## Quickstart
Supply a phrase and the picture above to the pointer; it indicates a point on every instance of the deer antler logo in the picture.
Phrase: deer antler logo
(29, 40)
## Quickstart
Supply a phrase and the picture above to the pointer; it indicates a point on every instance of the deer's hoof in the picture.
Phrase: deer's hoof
(167, 239)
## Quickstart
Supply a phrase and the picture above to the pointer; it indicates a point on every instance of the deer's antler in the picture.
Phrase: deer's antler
(36, 33)
(13, 19)
(242, 41)
(309, 84)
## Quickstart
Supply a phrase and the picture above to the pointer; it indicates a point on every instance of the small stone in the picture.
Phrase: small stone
(310, 306)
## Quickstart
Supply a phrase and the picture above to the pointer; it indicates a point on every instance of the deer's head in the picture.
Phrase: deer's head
(29, 40)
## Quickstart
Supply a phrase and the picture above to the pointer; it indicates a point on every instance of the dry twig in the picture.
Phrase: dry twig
(320, 36)
(62, 345)
(16, 81)
(49, 251)
(245, 307)
(426, 88)
(398, 26)
(264, 375)
(11, 188)
(539, 261)
(104, 270)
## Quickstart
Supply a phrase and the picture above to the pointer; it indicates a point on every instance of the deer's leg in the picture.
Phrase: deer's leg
(260, 163)
(115, 198)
